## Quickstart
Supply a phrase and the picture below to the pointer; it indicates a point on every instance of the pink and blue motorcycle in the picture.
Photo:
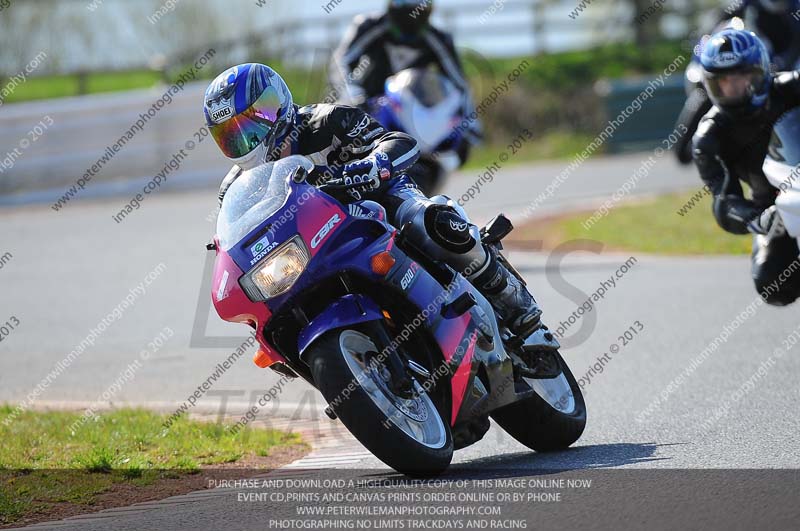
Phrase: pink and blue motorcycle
(409, 356)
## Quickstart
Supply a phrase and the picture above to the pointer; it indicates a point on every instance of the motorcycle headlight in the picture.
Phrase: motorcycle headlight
(277, 272)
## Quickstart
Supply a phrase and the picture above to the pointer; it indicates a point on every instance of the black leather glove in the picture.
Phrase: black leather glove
(370, 173)
(734, 213)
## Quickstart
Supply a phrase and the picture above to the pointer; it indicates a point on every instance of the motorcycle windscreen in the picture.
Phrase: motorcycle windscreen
(254, 196)
(428, 105)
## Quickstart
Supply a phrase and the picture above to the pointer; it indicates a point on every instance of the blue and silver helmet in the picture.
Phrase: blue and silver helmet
(736, 71)
(248, 108)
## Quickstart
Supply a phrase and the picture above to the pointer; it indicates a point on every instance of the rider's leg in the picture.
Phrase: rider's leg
(442, 229)
(775, 269)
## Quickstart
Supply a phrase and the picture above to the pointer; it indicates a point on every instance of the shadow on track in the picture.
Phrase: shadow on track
(522, 464)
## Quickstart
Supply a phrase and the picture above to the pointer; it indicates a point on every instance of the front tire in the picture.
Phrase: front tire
(409, 435)
(552, 419)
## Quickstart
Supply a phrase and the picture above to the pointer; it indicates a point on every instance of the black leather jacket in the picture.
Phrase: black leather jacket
(334, 135)
(729, 149)
(369, 54)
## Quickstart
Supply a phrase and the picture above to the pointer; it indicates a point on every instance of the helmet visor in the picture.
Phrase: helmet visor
(732, 89)
(243, 133)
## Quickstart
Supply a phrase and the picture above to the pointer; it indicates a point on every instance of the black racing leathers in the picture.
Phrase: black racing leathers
(334, 135)
(730, 149)
(370, 53)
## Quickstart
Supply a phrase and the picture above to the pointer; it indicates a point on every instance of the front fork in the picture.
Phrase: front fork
(400, 382)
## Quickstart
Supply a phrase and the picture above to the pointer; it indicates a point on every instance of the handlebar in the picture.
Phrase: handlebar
(338, 185)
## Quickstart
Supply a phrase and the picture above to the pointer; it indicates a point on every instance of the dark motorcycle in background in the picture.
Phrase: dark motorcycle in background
(426, 105)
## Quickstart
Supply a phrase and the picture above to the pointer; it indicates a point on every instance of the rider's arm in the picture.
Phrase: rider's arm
(345, 60)
(732, 211)
(363, 137)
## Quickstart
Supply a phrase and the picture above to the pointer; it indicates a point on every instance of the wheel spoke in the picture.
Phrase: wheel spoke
(418, 417)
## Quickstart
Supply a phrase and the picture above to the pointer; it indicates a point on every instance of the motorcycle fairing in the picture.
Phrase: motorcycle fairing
(233, 305)
(350, 310)
(463, 340)
(315, 225)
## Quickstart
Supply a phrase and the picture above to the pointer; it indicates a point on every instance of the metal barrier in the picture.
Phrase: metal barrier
(648, 127)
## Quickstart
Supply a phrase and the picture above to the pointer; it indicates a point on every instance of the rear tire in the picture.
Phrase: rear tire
(354, 390)
(696, 106)
(537, 424)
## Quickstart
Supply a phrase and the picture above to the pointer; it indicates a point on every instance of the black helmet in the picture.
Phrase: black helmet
(409, 17)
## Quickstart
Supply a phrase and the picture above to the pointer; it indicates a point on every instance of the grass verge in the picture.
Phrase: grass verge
(650, 226)
(47, 470)
(46, 87)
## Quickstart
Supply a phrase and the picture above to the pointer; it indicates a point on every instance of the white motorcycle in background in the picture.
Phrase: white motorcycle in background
(426, 105)
(782, 168)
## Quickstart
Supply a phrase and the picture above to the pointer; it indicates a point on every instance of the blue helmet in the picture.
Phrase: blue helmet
(248, 109)
(736, 71)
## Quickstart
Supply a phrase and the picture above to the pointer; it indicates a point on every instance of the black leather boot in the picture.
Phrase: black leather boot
(510, 298)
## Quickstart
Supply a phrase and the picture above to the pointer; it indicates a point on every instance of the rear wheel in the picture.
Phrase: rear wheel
(552, 419)
(696, 106)
(405, 432)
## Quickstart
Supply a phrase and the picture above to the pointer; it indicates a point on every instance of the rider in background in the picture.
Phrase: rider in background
(251, 115)
(777, 22)
(731, 144)
(376, 47)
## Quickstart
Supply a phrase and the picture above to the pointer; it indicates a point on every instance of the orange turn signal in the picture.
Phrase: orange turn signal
(262, 359)
(382, 263)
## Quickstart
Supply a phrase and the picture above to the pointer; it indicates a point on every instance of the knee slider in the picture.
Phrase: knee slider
(448, 229)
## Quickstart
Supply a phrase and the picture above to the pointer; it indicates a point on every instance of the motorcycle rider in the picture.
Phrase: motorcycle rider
(376, 47)
(731, 144)
(251, 115)
(777, 22)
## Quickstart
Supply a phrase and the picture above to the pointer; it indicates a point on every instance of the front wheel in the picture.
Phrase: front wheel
(405, 432)
(553, 418)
